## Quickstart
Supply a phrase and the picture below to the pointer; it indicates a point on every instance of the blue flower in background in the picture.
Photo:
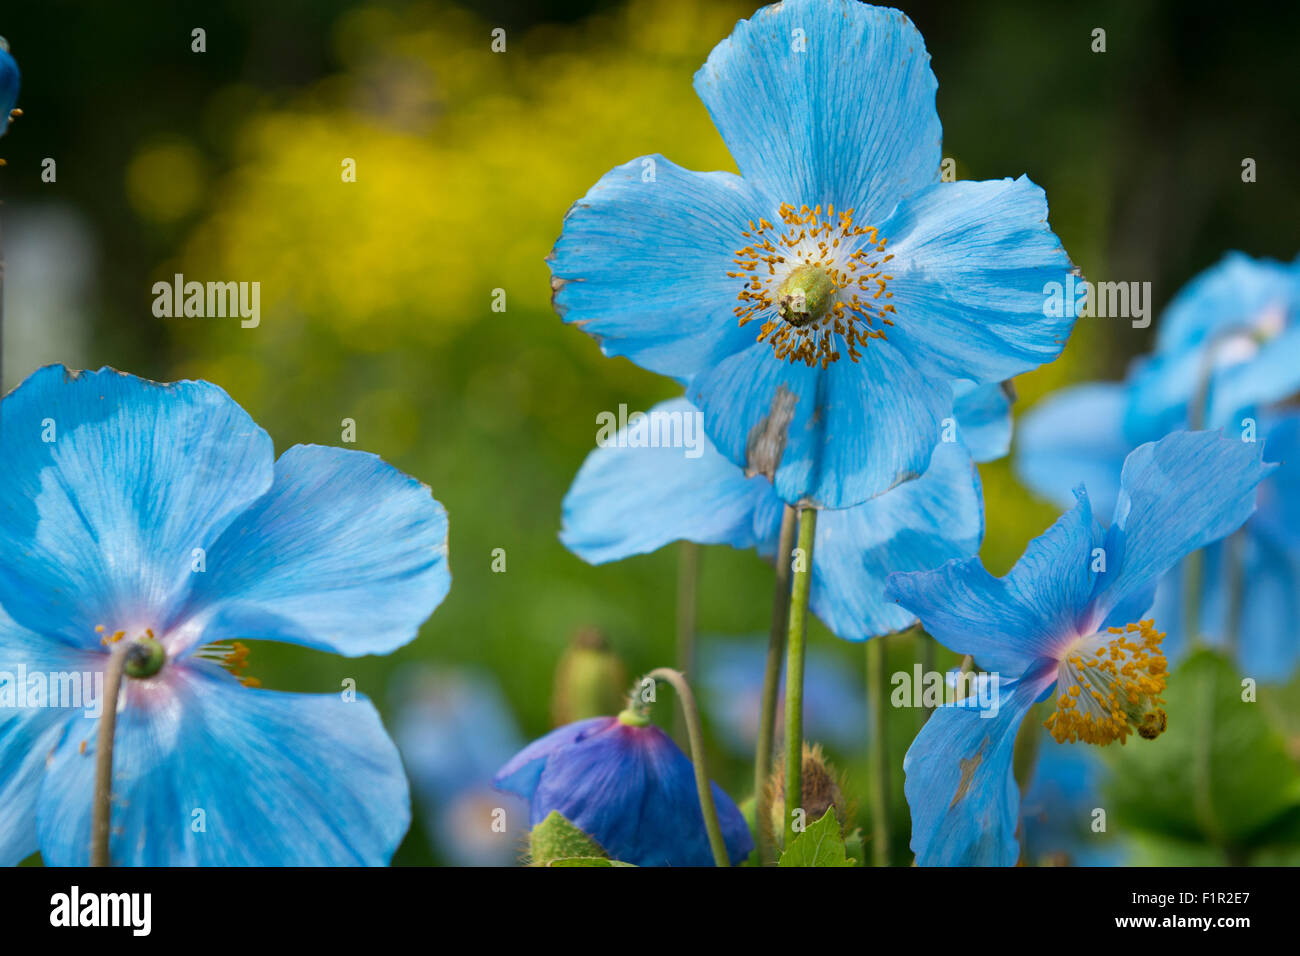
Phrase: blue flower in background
(632, 496)
(136, 510)
(10, 80)
(455, 730)
(731, 685)
(1227, 341)
(1058, 810)
(818, 305)
(1064, 619)
(628, 787)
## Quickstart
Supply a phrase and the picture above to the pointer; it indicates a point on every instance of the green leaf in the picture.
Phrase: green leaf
(589, 861)
(1219, 774)
(819, 845)
(555, 838)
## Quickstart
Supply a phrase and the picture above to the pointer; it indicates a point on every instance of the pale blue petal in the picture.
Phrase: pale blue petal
(832, 437)
(959, 781)
(101, 523)
(632, 500)
(1007, 623)
(827, 103)
(642, 264)
(916, 526)
(983, 414)
(31, 726)
(1176, 495)
(344, 553)
(281, 780)
(1075, 437)
(971, 265)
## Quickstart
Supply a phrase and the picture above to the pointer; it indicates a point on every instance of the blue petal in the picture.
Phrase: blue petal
(632, 500)
(916, 526)
(642, 265)
(344, 553)
(959, 781)
(1234, 292)
(1075, 437)
(30, 728)
(983, 414)
(1007, 623)
(102, 522)
(281, 779)
(1057, 811)
(832, 438)
(1279, 497)
(848, 117)
(970, 269)
(1176, 495)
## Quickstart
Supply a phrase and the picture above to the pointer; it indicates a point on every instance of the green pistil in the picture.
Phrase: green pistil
(806, 295)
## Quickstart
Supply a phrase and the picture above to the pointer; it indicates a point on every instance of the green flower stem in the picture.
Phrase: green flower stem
(101, 805)
(802, 583)
(688, 565)
(696, 734)
(771, 686)
(878, 795)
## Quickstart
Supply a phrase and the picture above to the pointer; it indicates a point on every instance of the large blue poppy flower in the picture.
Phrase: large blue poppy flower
(628, 787)
(1066, 619)
(134, 508)
(10, 80)
(819, 303)
(637, 493)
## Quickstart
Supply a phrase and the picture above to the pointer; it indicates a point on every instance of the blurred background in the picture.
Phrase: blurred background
(377, 295)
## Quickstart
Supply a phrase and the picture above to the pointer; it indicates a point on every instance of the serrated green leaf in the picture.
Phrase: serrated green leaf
(1219, 774)
(819, 845)
(555, 838)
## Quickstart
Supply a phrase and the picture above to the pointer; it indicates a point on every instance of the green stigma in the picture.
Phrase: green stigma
(145, 657)
(806, 295)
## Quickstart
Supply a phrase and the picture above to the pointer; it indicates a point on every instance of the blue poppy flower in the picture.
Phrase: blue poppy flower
(132, 509)
(1064, 619)
(731, 685)
(1228, 340)
(818, 304)
(454, 730)
(10, 80)
(639, 492)
(628, 787)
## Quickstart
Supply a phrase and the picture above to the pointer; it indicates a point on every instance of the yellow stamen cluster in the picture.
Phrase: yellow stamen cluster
(1109, 686)
(848, 255)
(236, 661)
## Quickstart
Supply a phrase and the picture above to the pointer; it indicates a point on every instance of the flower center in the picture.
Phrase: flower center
(1109, 685)
(815, 282)
(145, 655)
